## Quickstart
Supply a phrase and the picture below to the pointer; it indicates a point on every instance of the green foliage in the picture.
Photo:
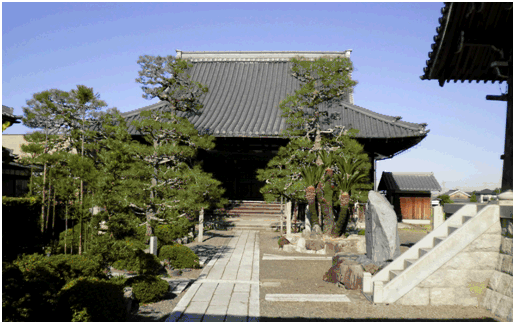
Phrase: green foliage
(473, 198)
(361, 232)
(179, 256)
(323, 80)
(148, 289)
(167, 234)
(62, 267)
(40, 282)
(445, 199)
(89, 299)
(131, 257)
(14, 294)
(21, 214)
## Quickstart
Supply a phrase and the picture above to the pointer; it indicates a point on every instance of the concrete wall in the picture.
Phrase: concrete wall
(499, 293)
(463, 280)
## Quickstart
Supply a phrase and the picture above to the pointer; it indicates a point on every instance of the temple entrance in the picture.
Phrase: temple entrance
(235, 162)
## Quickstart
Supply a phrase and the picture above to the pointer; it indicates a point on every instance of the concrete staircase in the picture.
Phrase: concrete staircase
(438, 269)
(254, 215)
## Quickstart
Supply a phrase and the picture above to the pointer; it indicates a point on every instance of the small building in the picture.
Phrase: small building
(15, 177)
(457, 194)
(485, 195)
(410, 194)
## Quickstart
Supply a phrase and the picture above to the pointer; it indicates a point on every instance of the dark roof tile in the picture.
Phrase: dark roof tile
(243, 101)
(409, 181)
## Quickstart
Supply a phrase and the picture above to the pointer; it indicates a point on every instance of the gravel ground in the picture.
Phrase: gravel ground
(305, 277)
(158, 312)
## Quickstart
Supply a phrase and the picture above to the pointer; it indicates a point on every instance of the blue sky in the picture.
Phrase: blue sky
(60, 45)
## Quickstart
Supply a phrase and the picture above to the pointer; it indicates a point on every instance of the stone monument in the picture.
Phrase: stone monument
(381, 234)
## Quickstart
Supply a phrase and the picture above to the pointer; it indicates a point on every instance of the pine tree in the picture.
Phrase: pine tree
(177, 185)
(324, 82)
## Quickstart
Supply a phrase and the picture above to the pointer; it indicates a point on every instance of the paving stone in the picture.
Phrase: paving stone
(205, 292)
(239, 287)
(220, 300)
(194, 312)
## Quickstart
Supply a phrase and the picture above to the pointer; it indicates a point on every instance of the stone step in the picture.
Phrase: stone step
(394, 273)
(438, 239)
(421, 252)
(451, 229)
(467, 218)
(409, 262)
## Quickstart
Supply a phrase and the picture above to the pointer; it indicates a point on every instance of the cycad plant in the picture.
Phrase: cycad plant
(311, 176)
(351, 174)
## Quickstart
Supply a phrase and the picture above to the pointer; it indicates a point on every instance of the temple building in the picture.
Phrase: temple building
(242, 111)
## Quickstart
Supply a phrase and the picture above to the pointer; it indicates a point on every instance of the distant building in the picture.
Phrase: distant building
(457, 194)
(15, 177)
(410, 194)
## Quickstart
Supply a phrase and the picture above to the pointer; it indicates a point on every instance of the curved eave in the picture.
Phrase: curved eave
(452, 58)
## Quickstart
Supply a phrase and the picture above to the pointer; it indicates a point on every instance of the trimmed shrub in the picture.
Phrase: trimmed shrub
(148, 289)
(88, 299)
(43, 278)
(63, 267)
(14, 295)
(167, 234)
(135, 259)
(179, 256)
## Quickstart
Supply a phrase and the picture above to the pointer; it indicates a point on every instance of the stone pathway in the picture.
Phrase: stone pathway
(228, 287)
(277, 257)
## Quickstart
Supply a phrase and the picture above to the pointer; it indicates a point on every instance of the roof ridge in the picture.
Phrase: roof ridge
(420, 127)
(257, 56)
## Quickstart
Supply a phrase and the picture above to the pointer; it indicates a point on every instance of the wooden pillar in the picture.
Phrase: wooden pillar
(507, 169)
(201, 226)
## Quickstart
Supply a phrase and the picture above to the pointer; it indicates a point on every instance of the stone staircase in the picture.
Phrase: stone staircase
(254, 215)
(443, 267)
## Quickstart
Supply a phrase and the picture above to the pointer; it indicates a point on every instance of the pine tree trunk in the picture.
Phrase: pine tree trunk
(43, 201)
(81, 215)
(48, 203)
(53, 215)
(65, 226)
(31, 182)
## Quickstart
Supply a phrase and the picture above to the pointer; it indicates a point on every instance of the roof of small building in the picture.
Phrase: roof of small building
(245, 89)
(471, 36)
(409, 181)
(485, 192)
(453, 191)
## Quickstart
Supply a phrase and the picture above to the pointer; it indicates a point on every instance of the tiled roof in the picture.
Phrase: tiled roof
(471, 36)
(8, 115)
(244, 96)
(452, 191)
(409, 181)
